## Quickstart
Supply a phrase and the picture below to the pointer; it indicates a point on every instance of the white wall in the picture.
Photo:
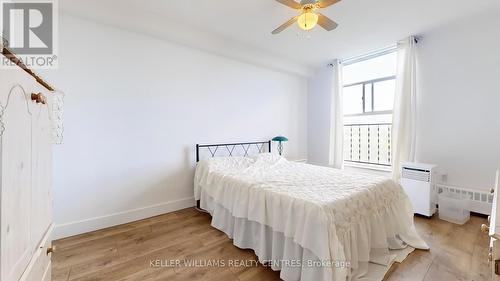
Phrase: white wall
(459, 102)
(459, 109)
(136, 106)
(318, 116)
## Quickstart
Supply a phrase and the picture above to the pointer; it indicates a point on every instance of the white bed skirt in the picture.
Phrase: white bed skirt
(282, 253)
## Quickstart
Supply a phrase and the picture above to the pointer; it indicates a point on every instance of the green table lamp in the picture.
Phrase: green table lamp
(280, 140)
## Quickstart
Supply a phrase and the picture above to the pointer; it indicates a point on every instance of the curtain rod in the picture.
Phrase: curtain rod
(17, 61)
(374, 53)
(369, 55)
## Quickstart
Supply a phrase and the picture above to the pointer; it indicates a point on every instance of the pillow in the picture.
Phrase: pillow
(269, 158)
(234, 162)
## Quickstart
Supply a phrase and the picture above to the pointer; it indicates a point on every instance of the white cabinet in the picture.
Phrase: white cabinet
(25, 178)
(41, 194)
(493, 231)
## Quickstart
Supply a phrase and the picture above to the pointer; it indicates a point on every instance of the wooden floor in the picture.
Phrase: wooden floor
(144, 250)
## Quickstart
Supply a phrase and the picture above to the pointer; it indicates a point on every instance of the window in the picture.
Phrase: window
(368, 94)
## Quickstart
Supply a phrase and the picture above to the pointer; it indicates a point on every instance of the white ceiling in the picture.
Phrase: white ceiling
(241, 29)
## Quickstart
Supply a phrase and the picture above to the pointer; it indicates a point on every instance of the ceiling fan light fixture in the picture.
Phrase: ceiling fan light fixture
(307, 20)
(308, 16)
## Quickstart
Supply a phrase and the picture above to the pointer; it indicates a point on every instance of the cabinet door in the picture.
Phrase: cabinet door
(16, 164)
(41, 194)
(494, 231)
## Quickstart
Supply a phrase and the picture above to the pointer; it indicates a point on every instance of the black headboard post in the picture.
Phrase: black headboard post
(197, 153)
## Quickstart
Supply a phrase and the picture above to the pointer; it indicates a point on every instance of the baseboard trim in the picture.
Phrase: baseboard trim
(91, 224)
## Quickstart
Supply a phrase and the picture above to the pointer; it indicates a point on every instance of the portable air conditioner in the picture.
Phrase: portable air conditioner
(417, 180)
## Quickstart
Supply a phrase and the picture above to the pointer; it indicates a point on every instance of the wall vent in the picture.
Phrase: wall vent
(416, 174)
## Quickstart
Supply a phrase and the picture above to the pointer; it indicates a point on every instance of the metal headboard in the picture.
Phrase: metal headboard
(230, 148)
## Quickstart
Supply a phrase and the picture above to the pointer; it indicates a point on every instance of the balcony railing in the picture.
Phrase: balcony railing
(368, 143)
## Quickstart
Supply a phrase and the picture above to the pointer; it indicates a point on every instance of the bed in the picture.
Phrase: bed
(309, 222)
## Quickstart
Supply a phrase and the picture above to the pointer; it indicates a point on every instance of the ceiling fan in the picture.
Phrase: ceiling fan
(308, 17)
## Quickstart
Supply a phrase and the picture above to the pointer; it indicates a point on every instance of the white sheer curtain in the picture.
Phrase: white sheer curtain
(336, 122)
(405, 107)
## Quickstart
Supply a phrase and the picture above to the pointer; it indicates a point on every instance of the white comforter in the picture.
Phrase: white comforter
(337, 215)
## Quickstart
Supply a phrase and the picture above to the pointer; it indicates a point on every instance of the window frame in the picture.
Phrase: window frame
(369, 82)
(359, 164)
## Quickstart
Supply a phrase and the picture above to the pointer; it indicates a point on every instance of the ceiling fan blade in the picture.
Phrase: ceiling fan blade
(326, 3)
(290, 3)
(326, 23)
(285, 25)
